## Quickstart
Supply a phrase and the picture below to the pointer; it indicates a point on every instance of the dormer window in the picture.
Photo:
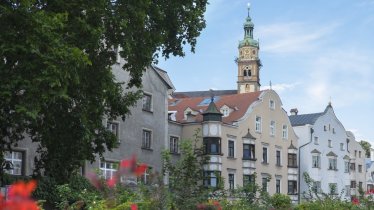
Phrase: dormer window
(225, 110)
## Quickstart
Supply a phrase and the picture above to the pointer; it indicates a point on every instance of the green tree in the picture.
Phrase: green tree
(185, 175)
(56, 83)
(366, 146)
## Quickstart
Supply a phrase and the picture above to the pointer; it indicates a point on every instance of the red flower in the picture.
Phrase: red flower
(134, 206)
(19, 197)
(355, 201)
(111, 182)
(140, 169)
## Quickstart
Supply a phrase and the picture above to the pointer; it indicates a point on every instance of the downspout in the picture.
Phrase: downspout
(311, 138)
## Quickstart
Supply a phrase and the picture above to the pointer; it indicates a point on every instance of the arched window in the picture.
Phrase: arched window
(245, 73)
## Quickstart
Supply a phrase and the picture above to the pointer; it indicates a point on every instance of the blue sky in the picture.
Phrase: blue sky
(310, 51)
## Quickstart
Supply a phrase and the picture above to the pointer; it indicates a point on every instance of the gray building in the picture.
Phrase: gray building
(143, 133)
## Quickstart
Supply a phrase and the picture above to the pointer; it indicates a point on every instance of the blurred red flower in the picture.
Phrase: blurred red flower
(19, 197)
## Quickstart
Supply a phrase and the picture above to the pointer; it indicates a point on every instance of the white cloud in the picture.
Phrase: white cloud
(281, 87)
(294, 37)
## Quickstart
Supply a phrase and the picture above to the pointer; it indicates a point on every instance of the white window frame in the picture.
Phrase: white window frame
(225, 110)
(316, 161)
(145, 105)
(334, 162)
(329, 143)
(316, 140)
(228, 148)
(17, 162)
(174, 144)
(280, 185)
(280, 157)
(284, 131)
(258, 124)
(233, 180)
(108, 168)
(267, 154)
(144, 141)
(342, 146)
(115, 129)
(346, 166)
(272, 128)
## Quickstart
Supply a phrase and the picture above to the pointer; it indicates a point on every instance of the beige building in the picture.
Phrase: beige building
(246, 132)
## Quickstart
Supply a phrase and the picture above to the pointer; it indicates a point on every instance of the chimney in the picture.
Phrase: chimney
(294, 111)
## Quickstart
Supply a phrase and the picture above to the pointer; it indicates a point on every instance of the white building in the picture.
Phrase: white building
(322, 151)
(357, 168)
(370, 171)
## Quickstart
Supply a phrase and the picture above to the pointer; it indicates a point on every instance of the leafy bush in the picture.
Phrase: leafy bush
(280, 201)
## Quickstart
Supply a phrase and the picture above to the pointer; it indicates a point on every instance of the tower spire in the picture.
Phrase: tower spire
(248, 7)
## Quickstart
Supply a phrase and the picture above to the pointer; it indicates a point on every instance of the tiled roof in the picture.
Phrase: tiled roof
(239, 103)
(303, 119)
(192, 94)
(164, 76)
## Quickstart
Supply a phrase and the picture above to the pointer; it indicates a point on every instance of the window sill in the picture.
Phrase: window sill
(265, 163)
(231, 158)
(146, 110)
(292, 193)
(145, 148)
(292, 166)
(332, 169)
(278, 165)
(252, 159)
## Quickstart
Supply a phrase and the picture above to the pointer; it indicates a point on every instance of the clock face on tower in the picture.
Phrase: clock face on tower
(247, 53)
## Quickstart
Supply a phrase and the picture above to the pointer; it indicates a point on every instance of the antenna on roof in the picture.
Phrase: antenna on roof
(270, 85)
(211, 94)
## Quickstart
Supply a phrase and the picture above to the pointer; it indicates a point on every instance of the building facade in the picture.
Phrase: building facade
(328, 153)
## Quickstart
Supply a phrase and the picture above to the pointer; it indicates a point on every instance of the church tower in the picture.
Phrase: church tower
(248, 61)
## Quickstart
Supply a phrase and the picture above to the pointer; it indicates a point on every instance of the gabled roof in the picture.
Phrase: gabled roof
(331, 154)
(241, 102)
(346, 157)
(192, 94)
(315, 151)
(303, 119)
(163, 76)
(292, 146)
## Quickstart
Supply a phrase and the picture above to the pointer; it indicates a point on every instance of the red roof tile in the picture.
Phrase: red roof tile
(240, 101)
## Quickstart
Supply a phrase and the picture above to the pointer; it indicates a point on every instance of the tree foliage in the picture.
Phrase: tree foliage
(366, 146)
(185, 175)
(56, 83)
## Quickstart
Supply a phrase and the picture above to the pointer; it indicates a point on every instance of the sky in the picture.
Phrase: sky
(313, 52)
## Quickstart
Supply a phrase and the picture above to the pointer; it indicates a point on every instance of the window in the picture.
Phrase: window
(316, 140)
(272, 128)
(355, 153)
(174, 144)
(108, 169)
(113, 127)
(347, 190)
(277, 186)
(212, 145)
(360, 185)
(346, 166)
(211, 178)
(145, 178)
(225, 111)
(360, 168)
(333, 130)
(231, 182)
(147, 139)
(316, 161)
(359, 154)
(324, 128)
(278, 158)
(284, 132)
(16, 158)
(317, 187)
(271, 105)
(333, 188)
(333, 164)
(248, 179)
(292, 162)
(341, 146)
(292, 187)
(353, 184)
(352, 167)
(329, 143)
(249, 152)
(258, 124)
(264, 155)
(147, 102)
(265, 184)
(231, 148)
